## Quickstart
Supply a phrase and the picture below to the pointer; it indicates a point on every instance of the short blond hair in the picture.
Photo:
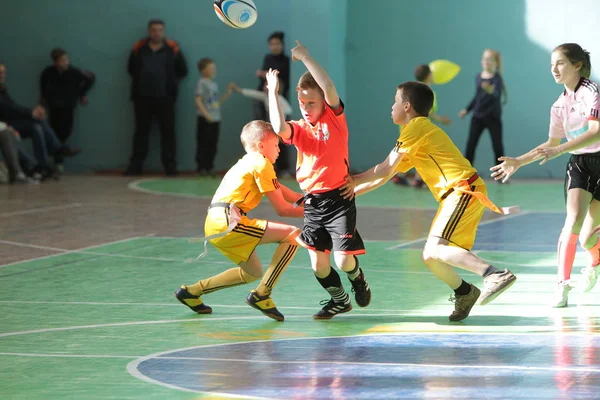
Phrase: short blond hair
(255, 131)
(307, 81)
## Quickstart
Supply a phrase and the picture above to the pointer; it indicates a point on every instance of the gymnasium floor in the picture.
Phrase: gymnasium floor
(89, 264)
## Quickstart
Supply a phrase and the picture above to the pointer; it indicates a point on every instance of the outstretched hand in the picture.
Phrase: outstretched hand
(506, 169)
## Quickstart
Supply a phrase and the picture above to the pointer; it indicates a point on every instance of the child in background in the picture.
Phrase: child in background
(486, 105)
(208, 106)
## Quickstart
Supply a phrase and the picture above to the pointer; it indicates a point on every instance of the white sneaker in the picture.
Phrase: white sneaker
(561, 296)
(589, 276)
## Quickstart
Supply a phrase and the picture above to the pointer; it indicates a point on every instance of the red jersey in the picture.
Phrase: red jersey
(322, 163)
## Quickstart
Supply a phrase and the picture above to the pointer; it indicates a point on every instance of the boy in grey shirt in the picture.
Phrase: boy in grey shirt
(208, 106)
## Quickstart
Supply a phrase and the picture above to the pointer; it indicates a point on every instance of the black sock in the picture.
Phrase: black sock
(463, 290)
(490, 270)
(333, 284)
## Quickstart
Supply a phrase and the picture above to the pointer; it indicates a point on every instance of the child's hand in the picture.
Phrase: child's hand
(299, 52)
(233, 87)
(347, 189)
(261, 74)
(273, 80)
(445, 120)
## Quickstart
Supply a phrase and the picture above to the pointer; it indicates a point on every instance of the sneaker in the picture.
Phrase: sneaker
(193, 302)
(332, 309)
(561, 296)
(361, 290)
(495, 284)
(463, 304)
(265, 305)
(589, 276)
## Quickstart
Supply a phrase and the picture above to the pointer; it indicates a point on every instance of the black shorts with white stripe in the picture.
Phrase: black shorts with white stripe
(583, 172)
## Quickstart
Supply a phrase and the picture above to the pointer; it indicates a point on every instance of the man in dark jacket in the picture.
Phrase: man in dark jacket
(32, 123)
(62, 86)
(156, 66)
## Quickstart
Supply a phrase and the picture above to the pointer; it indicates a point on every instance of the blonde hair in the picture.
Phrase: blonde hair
(307, 81)
(498, 59)
(255, 131)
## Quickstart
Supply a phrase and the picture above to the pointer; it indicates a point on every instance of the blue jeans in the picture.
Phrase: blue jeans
(42, 136)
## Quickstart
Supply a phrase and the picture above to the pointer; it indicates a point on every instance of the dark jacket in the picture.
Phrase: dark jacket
(176, 68)
(62, 89)
(11, 111)
(281, 63)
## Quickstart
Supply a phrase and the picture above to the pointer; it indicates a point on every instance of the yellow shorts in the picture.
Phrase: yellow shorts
(238, 244)
(458, 216)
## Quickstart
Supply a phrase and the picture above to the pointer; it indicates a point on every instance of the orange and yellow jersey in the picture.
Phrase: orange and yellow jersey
(432, 153)
(246, 182)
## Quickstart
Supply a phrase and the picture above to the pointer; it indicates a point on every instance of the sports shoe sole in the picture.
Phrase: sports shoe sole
(265, 312)
(206, 310)
(333, 315)
(493, 296)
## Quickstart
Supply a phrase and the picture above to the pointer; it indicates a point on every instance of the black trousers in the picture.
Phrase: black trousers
(207, 139)
(61, 120)
(146, 109)
(478, 125)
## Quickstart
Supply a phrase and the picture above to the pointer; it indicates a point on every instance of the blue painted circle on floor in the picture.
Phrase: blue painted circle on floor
(389, 366)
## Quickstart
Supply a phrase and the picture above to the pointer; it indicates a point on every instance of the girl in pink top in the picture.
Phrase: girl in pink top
(574, 117)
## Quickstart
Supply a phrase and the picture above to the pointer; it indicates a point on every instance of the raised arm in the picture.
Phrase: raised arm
(276, 116)
(321, 76)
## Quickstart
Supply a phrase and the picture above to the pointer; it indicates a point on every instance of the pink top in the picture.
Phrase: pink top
(571, 112)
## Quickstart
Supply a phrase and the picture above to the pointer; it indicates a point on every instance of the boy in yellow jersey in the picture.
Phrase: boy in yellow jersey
(455, 185)
(236, 236)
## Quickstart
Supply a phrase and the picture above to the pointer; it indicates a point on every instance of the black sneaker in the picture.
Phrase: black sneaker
(265, 305)
(463, 304)
(193, 302)
(332, 309)
(361, 290)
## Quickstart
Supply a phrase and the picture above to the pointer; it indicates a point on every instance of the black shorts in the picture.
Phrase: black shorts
(330, 224)
(583, 172)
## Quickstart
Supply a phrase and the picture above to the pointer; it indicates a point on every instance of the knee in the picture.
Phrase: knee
(345, 261)
(430, 254)
(291, 237)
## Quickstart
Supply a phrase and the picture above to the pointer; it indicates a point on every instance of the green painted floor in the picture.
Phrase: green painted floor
(72, 323)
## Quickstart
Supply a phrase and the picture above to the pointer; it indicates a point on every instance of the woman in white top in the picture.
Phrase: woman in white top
(574, 117)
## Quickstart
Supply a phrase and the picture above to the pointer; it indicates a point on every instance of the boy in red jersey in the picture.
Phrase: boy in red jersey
(321, 170)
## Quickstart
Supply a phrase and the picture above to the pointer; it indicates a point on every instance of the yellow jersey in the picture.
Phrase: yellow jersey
(433, 154)
(246, 182)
